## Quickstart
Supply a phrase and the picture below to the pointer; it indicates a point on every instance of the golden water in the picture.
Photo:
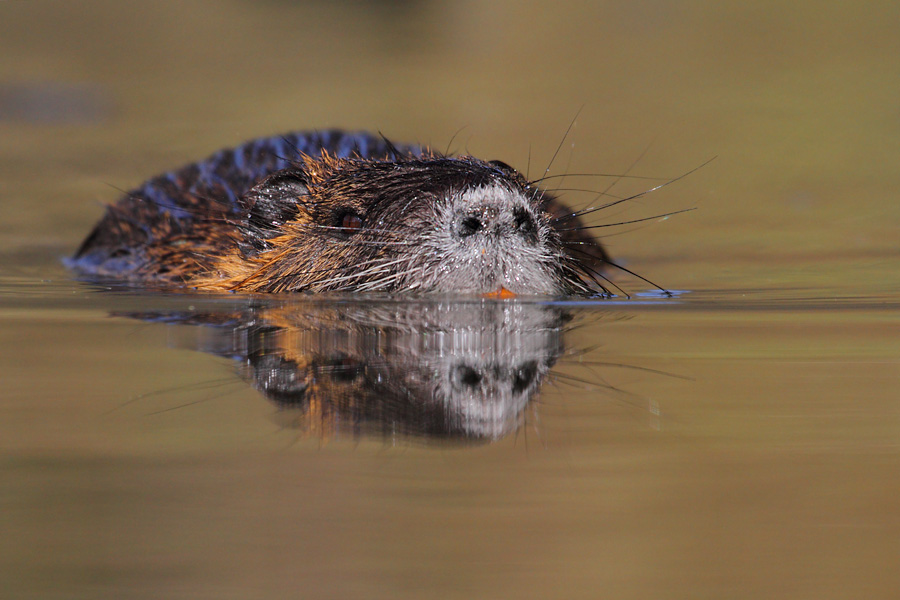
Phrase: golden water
(741, 440)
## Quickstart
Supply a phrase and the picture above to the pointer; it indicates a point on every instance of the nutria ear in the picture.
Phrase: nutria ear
(502, 166)
(288, 181)
(270, 204)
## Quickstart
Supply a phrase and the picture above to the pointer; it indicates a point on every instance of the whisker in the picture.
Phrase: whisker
(594, 274)
(634, 163)
(600, 175)
(644, 279)
(662, 216)
(563, 140)
(453, 139)
(634, 196)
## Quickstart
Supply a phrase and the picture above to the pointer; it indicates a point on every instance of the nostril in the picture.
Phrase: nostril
(468, 377)
(524, 222)
(469, 226)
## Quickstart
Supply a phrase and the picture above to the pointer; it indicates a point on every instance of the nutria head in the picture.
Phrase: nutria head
(410, 224)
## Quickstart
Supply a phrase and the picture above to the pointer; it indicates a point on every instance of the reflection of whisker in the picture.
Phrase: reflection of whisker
(522, 424)
(646, 406)
(190, 387)
(589, 385)
(200, 401)
(634, 368)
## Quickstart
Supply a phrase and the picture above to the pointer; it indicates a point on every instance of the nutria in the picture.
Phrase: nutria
(336, 211)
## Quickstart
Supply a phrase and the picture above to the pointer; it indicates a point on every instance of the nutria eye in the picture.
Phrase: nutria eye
(351, 222)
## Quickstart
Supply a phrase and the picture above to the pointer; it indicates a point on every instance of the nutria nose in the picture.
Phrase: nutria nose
(469, 226)
(489, 219)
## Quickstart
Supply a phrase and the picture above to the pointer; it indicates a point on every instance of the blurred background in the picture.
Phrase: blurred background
(798, 102)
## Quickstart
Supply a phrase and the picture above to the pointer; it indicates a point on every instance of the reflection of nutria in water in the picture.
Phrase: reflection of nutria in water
(448, 370)
(453, 371)
(332, 211)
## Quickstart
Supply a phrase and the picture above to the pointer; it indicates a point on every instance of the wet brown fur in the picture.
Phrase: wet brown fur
(221, 248)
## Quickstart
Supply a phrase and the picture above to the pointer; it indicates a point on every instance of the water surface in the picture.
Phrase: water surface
(739, 440)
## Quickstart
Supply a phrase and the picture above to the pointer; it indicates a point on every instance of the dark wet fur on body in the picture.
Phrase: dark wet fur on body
(335, 211)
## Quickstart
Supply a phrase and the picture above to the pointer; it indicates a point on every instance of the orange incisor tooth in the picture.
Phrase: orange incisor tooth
(500, 294)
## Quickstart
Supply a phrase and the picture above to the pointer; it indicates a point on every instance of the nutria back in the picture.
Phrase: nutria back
(337, 211)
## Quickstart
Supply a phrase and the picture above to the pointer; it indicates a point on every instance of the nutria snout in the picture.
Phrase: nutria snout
(332, 211)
